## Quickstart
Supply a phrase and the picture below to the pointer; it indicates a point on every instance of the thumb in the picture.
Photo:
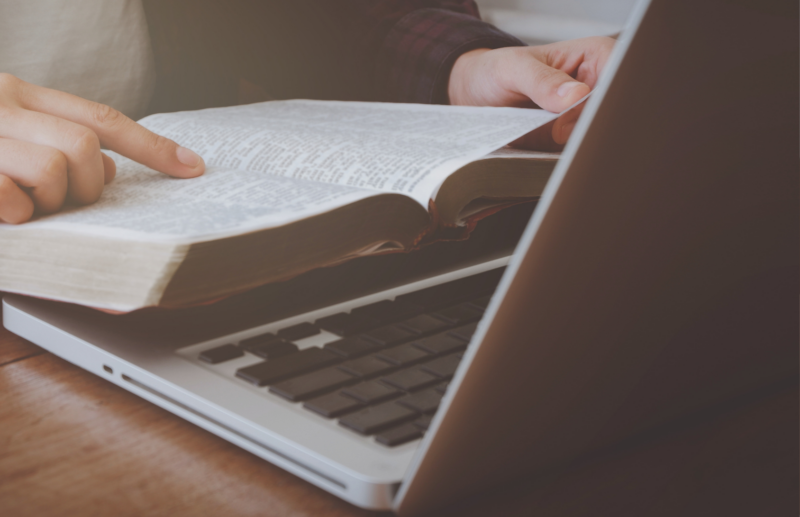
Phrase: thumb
(549, 87)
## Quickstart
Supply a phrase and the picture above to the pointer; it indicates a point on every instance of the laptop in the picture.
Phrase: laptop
(656, 276)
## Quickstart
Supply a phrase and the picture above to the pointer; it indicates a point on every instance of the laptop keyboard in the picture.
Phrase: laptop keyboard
(387, 373)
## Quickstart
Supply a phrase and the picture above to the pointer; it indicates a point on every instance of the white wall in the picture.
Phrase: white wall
(613, 11)
(544, 21)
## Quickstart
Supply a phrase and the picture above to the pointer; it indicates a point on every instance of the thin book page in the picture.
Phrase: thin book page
(142, 204)
(403, 148)
(511, 152)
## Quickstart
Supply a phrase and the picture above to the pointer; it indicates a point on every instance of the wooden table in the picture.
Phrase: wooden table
(73, 444)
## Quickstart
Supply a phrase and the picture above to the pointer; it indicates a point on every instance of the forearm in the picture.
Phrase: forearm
(411, 46)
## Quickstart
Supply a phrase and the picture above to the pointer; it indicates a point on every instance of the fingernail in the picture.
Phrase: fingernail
(565, 88)
(188, 157)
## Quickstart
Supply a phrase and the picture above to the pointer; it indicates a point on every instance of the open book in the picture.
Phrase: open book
(290, 186)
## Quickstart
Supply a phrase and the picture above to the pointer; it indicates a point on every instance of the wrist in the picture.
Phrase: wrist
(460, 84)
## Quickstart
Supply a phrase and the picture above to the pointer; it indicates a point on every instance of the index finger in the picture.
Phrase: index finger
(116, 131)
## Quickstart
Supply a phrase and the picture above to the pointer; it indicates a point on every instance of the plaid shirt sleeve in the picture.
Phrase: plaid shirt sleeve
(411, 45)
(420, 49)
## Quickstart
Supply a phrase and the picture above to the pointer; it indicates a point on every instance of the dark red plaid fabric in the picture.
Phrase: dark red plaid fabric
(419, 51)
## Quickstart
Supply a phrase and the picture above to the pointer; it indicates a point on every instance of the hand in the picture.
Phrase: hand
(553, 77)
(50, 149)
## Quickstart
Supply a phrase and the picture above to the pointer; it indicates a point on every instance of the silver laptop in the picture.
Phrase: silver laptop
(410, 386)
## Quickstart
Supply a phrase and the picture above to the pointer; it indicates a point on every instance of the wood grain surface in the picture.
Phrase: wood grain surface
(72, 444)
(14, 348)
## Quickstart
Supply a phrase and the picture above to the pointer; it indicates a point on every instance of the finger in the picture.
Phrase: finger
(117, 132)
(552, 136)
(593, 55)
(547, 87)
(540, 139)
(109, 168)
(15, 206)
(41, 170)
(562, 129)
(79, 144)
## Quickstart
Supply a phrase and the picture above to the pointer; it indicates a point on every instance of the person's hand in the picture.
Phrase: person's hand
(553, 77)
(50, 149)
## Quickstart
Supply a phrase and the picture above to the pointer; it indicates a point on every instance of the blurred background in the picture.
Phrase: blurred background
(545, 21)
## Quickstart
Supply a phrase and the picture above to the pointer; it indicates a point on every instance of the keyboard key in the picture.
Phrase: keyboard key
(273, 349)
(481, 302)
(440, 344)
(376, 418)
(423, 324)
(389, 335)
(312, 384)
(459, 314)
(276, 370)
(344, 324)
(410, 380)
(423, 422)
(464, 332)
(441, 388)
(354, 346)
(443, 367)
(367, 366)
(399, 435)
(371, 392)
(403, 355)
(299, 331)
(387, 311)
(221, 354)
(333, 405)
(258, 340)
(426, 401)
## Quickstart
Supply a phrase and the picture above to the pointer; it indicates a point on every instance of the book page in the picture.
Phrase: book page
(524, 154)
(143, 204)
(403, 148)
